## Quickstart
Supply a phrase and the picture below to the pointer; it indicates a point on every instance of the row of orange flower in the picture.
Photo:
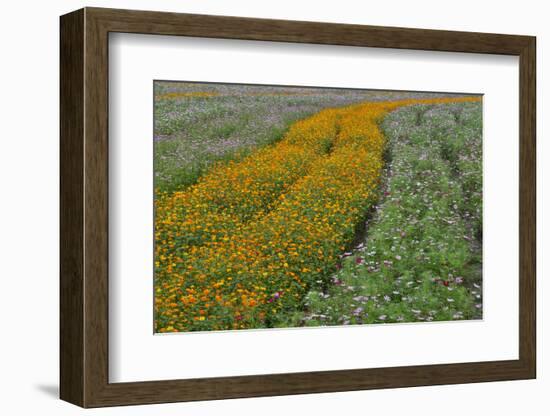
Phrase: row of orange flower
(231, 195)
(241, 248)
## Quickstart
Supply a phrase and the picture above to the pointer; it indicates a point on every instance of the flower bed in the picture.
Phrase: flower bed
(242, 247)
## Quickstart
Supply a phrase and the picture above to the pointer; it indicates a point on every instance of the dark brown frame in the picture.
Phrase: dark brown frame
(84, 208)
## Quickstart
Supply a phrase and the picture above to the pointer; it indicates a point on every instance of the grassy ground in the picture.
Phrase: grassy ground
(421, 258)
(198, 125)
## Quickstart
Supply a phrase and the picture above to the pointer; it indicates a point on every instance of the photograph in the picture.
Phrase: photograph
(306, 206)
(264, 208)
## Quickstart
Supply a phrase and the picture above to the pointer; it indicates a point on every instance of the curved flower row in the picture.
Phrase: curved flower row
(421, 260)
(241, 248)
(231, 195)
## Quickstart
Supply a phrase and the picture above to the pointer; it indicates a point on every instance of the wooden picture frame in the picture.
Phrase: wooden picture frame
(84, 207)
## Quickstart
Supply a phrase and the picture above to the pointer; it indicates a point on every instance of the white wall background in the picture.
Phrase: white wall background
(29, 209)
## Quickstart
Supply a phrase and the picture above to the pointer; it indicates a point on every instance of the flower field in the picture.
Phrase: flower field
(421, 259)
(199, 125)
(248, 243)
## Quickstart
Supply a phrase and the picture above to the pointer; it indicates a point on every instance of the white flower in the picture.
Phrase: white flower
(357, 311)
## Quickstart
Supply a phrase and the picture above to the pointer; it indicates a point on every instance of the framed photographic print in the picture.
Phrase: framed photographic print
(255, 207)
